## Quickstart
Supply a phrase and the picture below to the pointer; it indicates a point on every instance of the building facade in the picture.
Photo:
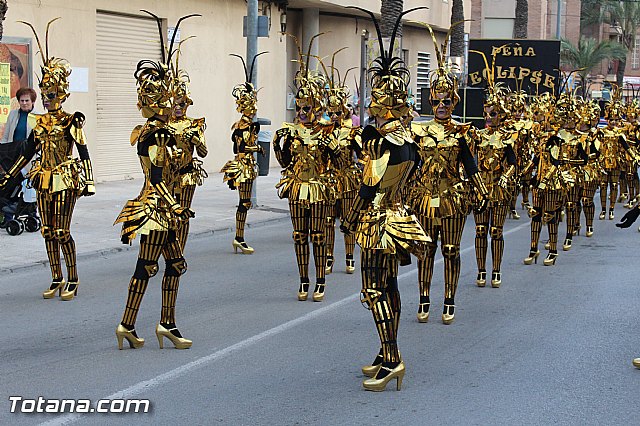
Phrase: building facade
(104, 39)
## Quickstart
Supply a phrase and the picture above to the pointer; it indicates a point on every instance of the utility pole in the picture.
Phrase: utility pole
(252, 51)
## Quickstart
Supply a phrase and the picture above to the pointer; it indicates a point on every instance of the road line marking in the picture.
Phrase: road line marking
(170, 375)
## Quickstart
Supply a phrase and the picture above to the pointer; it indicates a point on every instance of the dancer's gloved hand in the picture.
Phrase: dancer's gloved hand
(629, 217)
(482, 206)
(184, 213)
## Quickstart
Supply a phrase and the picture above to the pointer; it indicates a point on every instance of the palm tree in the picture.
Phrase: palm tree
(389, 12)
(522, 19)
(622, 15)
(588, 54)
(457, 35)
(3, 14)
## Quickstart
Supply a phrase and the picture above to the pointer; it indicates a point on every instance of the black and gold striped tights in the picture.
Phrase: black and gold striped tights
(56, 210)
(340, 208)
(309, 221)
(490, 223)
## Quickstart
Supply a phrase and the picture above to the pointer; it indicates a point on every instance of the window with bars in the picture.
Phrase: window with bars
(424, 68)
(635, 56)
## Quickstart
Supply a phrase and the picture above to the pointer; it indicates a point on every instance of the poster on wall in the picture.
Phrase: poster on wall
(16, 56)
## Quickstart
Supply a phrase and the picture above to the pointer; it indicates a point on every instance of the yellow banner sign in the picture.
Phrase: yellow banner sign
(5, 91)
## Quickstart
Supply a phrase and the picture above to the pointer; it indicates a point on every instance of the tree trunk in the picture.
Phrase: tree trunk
(457, 35)
(3, 14)
(622, 64)
(522, 19)
(389, 12)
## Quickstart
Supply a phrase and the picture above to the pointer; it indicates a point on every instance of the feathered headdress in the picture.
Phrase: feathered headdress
(337, 93)
(245, 93)
(309, 84)
(156, 79)
(495, 92)
(388, 75)
(54, 83)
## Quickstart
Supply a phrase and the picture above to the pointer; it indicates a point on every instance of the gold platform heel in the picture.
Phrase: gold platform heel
(318, 292)
(481, 281)
(513, 214)
(551, 259)
(576, 230)
(603, 213)
(70, 290)
(372, 370)
(533, 257)
(378, 385)
(178, 342)
(329, 265)
(55, 286)
(423, 309)
(589, 231)
(636, 362)
(448, 314)
(244, 248)
(496, 279)
(122, 333)
(611, 215)
(351, 266)
(303, 291)
(567, 244)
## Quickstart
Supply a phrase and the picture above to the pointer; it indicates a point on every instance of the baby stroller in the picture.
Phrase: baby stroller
(17, 201)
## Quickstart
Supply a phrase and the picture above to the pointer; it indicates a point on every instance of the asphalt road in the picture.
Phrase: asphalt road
(553, 345)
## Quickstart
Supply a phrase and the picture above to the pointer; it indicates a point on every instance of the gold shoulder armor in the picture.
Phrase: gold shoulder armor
(135, 134)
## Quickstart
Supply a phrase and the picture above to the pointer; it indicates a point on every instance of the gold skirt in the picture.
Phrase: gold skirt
(66, 175)
(312, 191)
(241, 169)
(144, 214)
(393, 231)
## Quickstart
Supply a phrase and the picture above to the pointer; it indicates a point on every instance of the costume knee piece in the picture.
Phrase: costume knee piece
(175, 267)
(145, 269)
(496, 232)
(300, 237)
(449, 251)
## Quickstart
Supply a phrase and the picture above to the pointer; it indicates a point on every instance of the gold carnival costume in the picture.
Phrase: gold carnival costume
(523, 147)
(613, 139)
(547, 194)
(385, 231)
(240, 172)
(572, 158)
(303, 149)
(589, 118)
(497, 165)
(189, 135)
(629, 164)
(440, 196)
(156, 213)
(345, 174)
(58, 178)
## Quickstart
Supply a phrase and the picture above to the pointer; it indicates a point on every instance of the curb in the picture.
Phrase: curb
(125, 248)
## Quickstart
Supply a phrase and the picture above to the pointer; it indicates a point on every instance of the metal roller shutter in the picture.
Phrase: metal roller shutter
(121, 41)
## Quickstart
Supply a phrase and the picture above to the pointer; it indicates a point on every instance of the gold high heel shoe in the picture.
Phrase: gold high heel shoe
(303, 292)
(611, 215)
(378, 385)
(481, 281)
(589, 231)
(329, 266)
(533, 257)
(636, 362)
(513, 214)
(122, 333)
(351, 266)
(372, 370)
(496, 279)
(318, 292)
(55, 286)
(70, 290)
(551, 259)
(448, 314)
(576, 230)
(423, 312)
(244, 248)
(567, 244)
(603, 213)
(178, 342)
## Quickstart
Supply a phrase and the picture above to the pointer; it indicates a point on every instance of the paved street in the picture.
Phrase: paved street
(553, 345)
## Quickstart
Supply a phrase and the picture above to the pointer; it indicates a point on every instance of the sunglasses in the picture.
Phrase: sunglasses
(304, 109)
(336, 113)
(436, 102)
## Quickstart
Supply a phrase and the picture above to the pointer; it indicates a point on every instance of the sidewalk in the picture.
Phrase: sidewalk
(92, 224)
